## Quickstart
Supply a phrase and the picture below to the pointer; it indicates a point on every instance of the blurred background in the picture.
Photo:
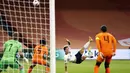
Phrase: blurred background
(76, 20)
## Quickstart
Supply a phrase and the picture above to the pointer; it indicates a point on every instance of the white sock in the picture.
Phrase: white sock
(86, 45)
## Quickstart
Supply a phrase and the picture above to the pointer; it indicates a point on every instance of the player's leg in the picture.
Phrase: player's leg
(86, 46)
(107, 63)
(31, 67)
(17, 65)
(98, 63)
(47, 68)
(3, 66)
(45, 63)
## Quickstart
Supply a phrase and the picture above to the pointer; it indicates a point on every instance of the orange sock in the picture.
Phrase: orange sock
(29, 70)
(107, 70)
(96, 68)
(47, 69)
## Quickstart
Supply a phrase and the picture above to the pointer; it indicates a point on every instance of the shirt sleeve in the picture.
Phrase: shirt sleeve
(98, 43)
(20, 47)
(4, 46)
(114, 43)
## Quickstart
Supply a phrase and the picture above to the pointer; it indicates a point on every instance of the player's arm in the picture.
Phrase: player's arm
(98, 44)
(68, 43)
(21, 53)
(114, 45)
(45, 55)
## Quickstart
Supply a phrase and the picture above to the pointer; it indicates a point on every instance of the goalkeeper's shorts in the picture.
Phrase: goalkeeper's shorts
(13, 64)
(78, 58)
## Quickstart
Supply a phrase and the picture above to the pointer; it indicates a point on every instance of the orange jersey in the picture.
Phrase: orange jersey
(39, 52)
(106, 43)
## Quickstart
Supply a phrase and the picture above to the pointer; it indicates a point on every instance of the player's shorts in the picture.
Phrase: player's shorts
(78, 58)
(106, 58)
(13, 64)
(39, 61)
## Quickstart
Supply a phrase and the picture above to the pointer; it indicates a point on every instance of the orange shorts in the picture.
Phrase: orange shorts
(107, 58)
(39, 61)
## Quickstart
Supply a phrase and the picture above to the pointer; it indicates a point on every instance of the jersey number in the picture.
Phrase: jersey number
(10, 46)
(106, 38)
(39, 51)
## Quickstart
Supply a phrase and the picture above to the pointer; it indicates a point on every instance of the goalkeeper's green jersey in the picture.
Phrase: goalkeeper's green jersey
(11, 47)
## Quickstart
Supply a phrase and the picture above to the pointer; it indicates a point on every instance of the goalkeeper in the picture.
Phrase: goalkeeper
(11, 48)
(77, 58)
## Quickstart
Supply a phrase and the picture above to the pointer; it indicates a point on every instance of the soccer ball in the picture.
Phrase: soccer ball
(36, 3)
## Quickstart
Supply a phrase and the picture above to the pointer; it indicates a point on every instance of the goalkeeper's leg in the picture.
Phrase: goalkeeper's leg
(17, 65)
(3, 66)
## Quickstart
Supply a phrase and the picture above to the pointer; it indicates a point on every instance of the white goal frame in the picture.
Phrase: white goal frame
(52, 37)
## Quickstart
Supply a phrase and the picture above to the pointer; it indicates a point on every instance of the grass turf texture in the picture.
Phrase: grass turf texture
(117, 66)
(37, 69)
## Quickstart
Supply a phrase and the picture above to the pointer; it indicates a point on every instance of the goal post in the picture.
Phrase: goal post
(34, 22)
(52, 37)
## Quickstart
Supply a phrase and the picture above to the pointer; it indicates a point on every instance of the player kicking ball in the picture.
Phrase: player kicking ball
(11, 48)
(40, 56)
(77, 58)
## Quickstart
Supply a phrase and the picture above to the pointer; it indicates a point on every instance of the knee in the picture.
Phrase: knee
(98, 64)
(106, 65)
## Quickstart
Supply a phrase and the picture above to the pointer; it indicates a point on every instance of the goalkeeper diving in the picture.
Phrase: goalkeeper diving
(77, 58)
(11, 48)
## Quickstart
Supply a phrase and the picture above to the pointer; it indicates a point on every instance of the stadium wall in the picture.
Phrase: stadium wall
(120, 54)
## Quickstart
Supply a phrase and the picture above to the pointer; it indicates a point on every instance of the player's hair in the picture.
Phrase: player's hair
(15, 35)
(65, 47)
(104, 28)
(43, 41)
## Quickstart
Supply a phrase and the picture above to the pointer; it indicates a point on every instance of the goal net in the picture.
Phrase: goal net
(33, 23)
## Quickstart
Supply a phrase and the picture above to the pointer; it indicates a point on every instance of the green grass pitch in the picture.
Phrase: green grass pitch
(37, 69)
(117, 66)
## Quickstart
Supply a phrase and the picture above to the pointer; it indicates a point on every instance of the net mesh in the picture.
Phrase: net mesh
(31, 22)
